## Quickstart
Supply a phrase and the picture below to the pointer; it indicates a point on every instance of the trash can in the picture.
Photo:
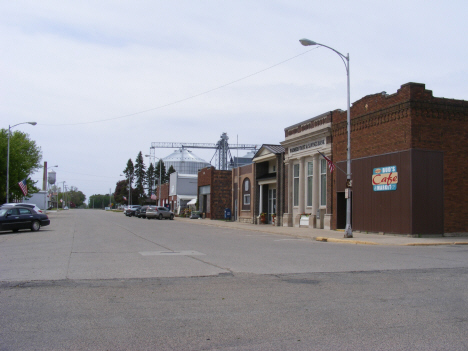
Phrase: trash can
(227, 214)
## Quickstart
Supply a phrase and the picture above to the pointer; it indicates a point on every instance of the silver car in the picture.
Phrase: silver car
(159, 212)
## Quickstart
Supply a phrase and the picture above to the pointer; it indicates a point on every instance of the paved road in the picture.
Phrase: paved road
(98, 280)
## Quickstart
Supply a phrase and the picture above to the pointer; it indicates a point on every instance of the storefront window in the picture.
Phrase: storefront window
(296, 185)
(323, 182)
(310, 178)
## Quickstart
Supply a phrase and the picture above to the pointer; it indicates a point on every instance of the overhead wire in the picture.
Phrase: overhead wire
(184, 99)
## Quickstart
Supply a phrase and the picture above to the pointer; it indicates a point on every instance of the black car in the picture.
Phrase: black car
(19, 217)
(141, 212)
(130, 211)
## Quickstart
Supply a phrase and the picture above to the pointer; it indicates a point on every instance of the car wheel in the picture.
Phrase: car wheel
(171, 217)
(35, 226)
(160, 217)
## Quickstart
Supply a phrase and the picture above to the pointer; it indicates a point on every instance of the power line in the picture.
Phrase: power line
(184, 99)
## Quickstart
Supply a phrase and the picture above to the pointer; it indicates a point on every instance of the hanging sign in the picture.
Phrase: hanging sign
(385, 178)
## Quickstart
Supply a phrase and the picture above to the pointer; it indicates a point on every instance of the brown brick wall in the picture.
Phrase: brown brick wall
(412, 118)
(220, 190)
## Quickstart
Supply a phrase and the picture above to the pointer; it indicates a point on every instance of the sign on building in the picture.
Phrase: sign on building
(385, 178)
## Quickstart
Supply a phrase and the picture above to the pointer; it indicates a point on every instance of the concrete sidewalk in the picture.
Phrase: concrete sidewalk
(333, 236)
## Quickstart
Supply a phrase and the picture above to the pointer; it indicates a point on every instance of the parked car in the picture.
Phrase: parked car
(159, 212)
(33, 206)
(21, 217)
(141, 212)
(130, 211)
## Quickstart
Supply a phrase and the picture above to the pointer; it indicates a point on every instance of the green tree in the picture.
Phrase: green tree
(100, 201)
(121, 191)
(75, 197)
(129, 172)
(140, 175)
(150, 179)
(25, 159)
(160, 166)
(169, 172)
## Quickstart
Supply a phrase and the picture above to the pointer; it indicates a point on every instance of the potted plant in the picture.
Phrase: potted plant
(273, 218)
(263, 218)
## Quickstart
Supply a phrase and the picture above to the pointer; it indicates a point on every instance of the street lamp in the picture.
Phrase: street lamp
(345, 59)
(160, 168)
(8, 155)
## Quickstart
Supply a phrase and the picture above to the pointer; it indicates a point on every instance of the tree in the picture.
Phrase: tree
(150, 179)
(129, 174)
(121, 191)
(140, 174)
(76, 197)
(100, 201)
(25, 158)
(169, 172)
(160, 165)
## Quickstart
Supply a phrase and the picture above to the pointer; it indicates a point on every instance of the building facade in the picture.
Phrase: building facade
(269, 184)
(214, 192)
(309, 186)
(243, 194)
(409, 154)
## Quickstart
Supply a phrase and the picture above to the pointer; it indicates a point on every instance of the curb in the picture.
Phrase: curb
(334, 240)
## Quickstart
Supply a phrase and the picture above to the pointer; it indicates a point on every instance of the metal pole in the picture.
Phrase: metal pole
(8, 165)
(348, 229)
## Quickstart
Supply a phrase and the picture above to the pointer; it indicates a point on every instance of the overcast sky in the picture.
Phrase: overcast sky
(104, 79)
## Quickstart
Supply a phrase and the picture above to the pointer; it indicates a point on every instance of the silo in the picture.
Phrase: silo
(185, 162)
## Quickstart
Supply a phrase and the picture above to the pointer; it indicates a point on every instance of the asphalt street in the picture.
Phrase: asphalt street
(101, 281)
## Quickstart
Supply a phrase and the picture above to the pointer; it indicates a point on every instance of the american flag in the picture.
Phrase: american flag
(153, 197)
(125, 198)
(24, 187)
(331, 165)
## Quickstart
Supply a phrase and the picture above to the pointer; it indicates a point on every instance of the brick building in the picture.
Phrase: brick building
(417, 144)
(214, 192)
(243, 194)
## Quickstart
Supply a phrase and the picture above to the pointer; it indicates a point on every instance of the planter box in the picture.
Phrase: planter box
(304, 221)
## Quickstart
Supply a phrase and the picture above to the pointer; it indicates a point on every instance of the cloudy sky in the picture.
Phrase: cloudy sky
(104, 79)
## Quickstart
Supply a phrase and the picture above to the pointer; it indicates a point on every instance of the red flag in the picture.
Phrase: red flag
(24, 187)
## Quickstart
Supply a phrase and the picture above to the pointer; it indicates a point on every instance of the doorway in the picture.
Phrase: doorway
(341, 210)
(271, 203)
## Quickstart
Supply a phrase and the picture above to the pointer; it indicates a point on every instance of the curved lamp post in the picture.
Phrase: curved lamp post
(345, 59)
(8, 156)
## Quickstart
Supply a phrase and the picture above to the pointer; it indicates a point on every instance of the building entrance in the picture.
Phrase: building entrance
(271, 203)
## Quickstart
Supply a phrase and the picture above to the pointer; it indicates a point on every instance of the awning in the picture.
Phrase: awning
(192, 202)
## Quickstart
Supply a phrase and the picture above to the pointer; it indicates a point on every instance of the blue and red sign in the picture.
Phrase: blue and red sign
(385, 178)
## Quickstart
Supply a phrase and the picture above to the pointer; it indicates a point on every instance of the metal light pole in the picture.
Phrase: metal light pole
(345, 59)
(8, 155)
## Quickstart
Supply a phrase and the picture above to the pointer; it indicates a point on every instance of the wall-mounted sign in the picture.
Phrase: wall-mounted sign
(306, 146)
(385, 178)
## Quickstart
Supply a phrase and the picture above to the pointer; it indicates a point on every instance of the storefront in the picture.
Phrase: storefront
(309, 186)
(269, 184)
